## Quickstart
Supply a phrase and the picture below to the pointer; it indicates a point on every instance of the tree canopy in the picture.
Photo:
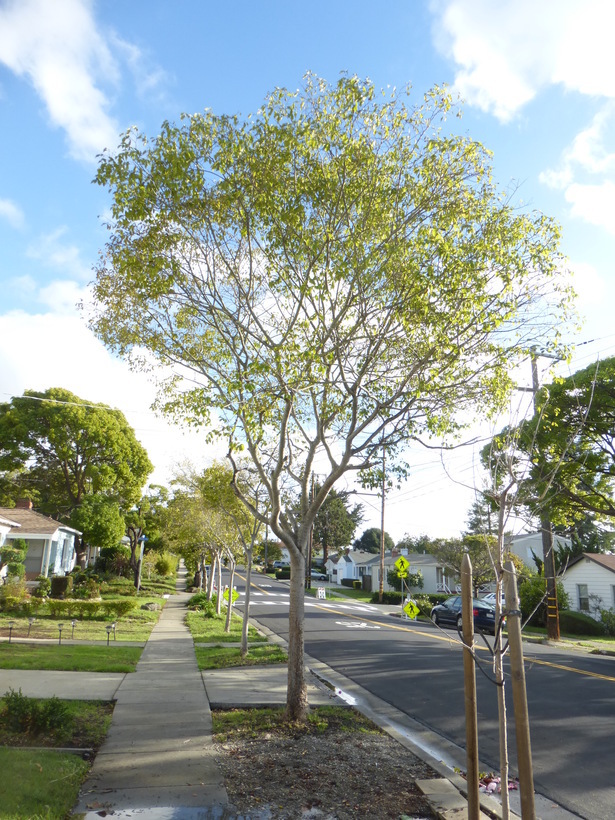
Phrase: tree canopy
(330, 277)
(370, 539)
(567, 449)
(80, 462)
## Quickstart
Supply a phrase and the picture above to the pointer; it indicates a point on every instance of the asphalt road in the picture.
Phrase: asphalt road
(418, 669)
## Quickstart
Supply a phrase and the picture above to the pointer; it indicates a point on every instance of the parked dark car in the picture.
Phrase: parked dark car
(449, 612)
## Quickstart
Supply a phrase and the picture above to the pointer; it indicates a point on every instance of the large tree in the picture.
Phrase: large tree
(328, 279)
(80, 462)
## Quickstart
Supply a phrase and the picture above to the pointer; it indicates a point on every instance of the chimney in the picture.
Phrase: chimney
(23, 504)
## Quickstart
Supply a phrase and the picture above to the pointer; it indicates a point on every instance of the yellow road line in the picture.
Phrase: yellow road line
(569, 669)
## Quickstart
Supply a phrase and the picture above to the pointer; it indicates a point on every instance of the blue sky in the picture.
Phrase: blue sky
(538, 83)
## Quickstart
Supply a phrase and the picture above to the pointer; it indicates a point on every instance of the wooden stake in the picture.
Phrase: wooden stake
(469, 685)
(517, 671)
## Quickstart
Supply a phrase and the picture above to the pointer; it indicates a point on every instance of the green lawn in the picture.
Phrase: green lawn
(136, 626)
(39, 785)
(69, 657)
(222, 657)
(206, 629)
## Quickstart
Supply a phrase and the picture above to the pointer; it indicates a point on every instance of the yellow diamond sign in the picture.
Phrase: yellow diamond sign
(411, 609)
(402, 564)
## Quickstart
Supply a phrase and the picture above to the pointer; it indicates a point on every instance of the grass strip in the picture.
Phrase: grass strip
(39, 785)
(222, 657)
(210, 629)
(69, 657)
(235, 724)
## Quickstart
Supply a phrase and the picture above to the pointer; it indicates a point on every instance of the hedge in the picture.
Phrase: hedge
(579, 623)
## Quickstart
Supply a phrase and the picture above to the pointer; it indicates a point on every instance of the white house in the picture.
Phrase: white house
(350, 564)
(526, 545)
(436, 577)
(589, 581)
(51, 545)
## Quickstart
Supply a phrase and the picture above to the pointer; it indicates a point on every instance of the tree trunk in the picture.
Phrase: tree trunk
(80, 551)
(246, 607)
(218, 564)
(296, 697)
(229, 608)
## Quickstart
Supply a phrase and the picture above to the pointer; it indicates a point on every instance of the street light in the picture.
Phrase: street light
(109, 627)
(11, 625)
(60, 628)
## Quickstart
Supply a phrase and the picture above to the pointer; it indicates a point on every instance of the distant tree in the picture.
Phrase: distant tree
(414, 580)
(482, 517)
(72, 451)
(418, 543)
(336, 522)
(370, 541)
(482, 551)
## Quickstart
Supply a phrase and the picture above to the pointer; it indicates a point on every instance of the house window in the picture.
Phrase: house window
(583, 597)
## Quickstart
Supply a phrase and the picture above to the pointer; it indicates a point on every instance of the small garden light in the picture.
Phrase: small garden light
(60, 628)
(11, 625)
(30, 622)
(73, 623)
(109, 627)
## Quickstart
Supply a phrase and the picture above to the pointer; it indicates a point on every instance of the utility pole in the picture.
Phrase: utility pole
(547, 535)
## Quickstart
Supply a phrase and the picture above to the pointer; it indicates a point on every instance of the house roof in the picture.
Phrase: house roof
(8, 522)
(603, 560)
(33, 523)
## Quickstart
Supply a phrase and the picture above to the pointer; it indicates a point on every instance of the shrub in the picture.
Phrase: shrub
(357, 585)
(87, 589)
(198, 601)
(44, 587)
(533, 595)
(25, 714)
(117, 609)
(12, 596)
(113, 559)
(424, 604)
(579, 623)
(61, 586)
(388, 597)
(283, 574)
(165, 564)
(607, 618)
(347, 582)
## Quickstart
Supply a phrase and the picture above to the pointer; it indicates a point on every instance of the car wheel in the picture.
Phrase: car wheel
(434, 618)
(459, 622)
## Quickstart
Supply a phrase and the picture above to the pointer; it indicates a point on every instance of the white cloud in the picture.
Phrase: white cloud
(61, 296)
(590, 287)
(12, 213)
(54, 252)
(57, 47)
(38, 351)
(593, 203)
(70, 62)
(508, 51)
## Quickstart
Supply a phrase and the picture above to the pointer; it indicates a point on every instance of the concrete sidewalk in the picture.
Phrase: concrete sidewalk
(158, 758)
